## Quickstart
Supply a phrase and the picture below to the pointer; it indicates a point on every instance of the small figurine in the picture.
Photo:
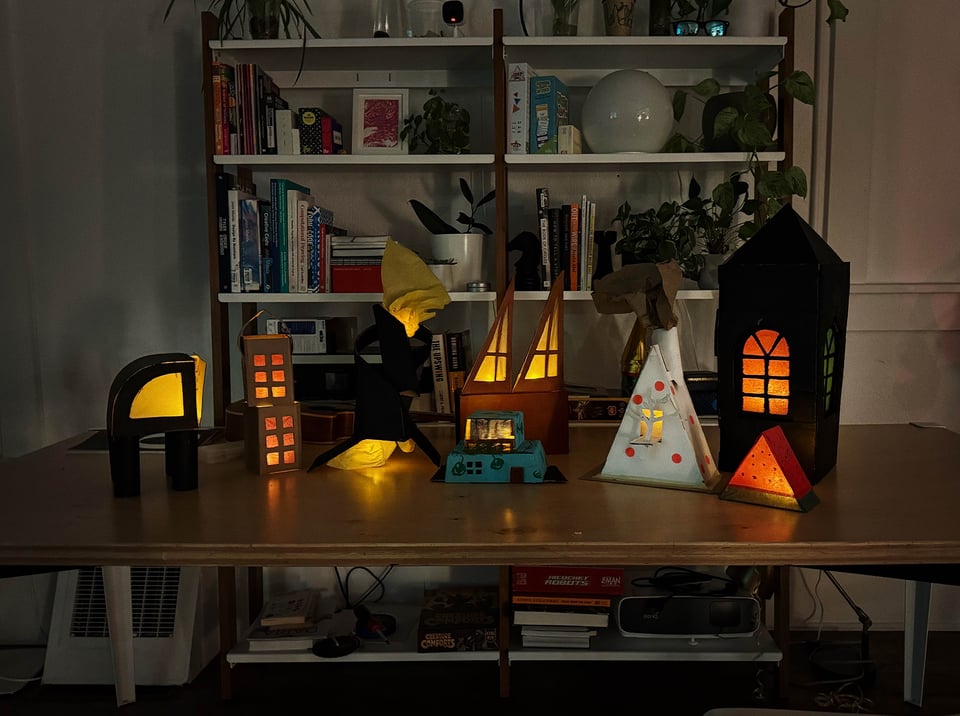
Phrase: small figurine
(604, 240)
(527, 274)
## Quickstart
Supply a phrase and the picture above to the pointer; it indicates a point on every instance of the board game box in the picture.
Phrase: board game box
(459, 619)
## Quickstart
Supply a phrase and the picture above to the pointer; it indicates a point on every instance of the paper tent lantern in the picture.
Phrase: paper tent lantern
(272, 437)
(538, 390)
(771, 475)
(660, 442)
(780, 335)
(160, 393)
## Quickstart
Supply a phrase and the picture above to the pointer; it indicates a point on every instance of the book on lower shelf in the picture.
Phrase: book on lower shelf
(290, 622)
(459, 619)
(287, 638)
(290, 609)
(557, 637)
(550, 615)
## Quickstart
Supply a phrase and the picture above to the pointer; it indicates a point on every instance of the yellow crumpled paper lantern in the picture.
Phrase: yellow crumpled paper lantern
(411, 292)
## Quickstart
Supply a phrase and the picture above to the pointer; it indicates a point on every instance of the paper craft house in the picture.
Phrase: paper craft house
(538, 391)
(771, 475)
(660, 442)
(272, 438)
(781, 327)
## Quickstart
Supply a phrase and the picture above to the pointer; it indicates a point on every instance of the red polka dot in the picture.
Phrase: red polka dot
(676, 458)
(691, 420)
(659, 385)
(638, 399)
(707, 458)
(630, 452)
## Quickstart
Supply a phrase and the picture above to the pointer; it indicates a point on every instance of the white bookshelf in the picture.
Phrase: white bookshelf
(455, 297)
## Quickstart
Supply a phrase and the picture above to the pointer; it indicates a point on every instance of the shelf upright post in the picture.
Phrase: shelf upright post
(499, 150)
(219, 312)
(787, 24)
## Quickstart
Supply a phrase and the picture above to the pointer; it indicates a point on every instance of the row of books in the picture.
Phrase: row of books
(449, 365)
(562, 607)
(251, 117)
(567, 241)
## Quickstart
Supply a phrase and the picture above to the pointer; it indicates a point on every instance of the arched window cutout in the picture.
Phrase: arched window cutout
(651, 427)
(766, 373)
(829, 368)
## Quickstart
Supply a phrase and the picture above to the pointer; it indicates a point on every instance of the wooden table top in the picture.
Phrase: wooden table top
(893, 498)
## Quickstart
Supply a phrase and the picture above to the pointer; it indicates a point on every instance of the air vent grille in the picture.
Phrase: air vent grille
(154, 599)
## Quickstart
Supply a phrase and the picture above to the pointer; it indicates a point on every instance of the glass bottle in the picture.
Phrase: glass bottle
(390, 19)
(264, 19)
(565, 16)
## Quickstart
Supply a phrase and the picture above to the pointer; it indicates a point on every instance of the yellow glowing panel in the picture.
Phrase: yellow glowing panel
(277, 376)
(753, 366)
(536, 369)
(779, 368)
(269, 423)
(781, 350)
(259, 360)
(779, 388)
(260, 376)
(753, 385)
(161, 397)
(552, 365)
(289, 457)
(657, 431)
(542, 343)
(752, 404)
(487, 372)
(778, 406)
(261, 393)
(287, 421)
(273, 458)
(272, 441)
(365, 454)
(752, 348)
(288, 439)
(502, 335)
(279, 391)
(199, 372)
(276, 359)
(766, 338)
(554, 338)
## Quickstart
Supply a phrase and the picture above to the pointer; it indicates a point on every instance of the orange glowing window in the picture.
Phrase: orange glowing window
(651, 427)
(276, 359)
(277, 376)
(261, 393)
(279, 391)
(272, 441)
(289, 457)
(273, 458)
(269, 423)
(259, 360)
(288, 421)
(288, 439)
(765, 381)
(260, 376)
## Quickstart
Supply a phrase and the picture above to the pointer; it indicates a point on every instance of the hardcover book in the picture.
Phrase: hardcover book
(288, 609)
(250, 245)
(549, 110)
(459, 619)
(569, 580)
(518, 107)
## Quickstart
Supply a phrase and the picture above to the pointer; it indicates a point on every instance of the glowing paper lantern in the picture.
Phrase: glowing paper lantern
(627, 111)
(771, 475)
(160, 393)
(781, 324)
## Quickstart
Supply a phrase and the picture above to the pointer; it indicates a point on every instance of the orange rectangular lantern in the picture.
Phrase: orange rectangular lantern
(272, 431)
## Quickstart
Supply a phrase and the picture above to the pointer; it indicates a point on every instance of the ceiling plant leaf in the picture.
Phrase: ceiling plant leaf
(838, 11)
(797, 180)
(800, 86)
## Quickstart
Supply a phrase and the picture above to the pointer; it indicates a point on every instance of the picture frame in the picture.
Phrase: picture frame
(378, 117)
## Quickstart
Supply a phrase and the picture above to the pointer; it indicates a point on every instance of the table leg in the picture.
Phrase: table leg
(227, 597)
(916, 612)
(116, 594)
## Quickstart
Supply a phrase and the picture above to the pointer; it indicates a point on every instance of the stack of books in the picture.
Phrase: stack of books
(289, 622)
(572, 601)
(355, 263)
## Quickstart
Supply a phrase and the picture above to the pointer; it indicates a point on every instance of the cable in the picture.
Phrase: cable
(523, 23)
(788, 4)
(344, 585)
(682, 580)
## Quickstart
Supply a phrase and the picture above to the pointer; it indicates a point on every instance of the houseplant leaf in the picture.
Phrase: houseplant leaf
(799, 86)
(433, 223)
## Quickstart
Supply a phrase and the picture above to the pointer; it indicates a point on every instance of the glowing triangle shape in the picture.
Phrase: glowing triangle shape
(492, 371)
(543, 365)
(771, 475)
(660, 442)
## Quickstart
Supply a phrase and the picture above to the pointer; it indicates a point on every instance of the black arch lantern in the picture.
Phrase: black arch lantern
(781, 328)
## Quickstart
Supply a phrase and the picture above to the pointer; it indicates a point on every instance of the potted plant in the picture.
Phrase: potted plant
(442, 128)
(263, 18)
(463, 248)
(658, 235)
(715, 222)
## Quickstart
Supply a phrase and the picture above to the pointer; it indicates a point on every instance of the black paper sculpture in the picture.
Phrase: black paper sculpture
(526, 276)
(781, 328)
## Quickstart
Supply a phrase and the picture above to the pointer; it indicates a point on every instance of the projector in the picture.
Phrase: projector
(659, 613)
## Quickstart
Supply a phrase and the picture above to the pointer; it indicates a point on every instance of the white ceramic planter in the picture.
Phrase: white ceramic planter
(466, 250)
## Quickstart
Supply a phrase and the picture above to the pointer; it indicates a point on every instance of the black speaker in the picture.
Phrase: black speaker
(662, 614)
(453, 12)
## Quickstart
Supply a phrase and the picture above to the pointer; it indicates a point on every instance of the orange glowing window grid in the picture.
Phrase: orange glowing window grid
(771, 475)
(765, 367)
(276, 429)
(268, 378)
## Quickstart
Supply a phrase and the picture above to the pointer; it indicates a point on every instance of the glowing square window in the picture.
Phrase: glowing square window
(279, 391)
(260, 376)
(276, 359)
(273, 458)
(277, 376)
(261, 393)
(259, 360)
(269, 423)
(287, 421)
(289, 439)
(289, 457)
(272, 441)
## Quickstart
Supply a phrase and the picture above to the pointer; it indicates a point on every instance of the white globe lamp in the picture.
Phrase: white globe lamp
(627, 111)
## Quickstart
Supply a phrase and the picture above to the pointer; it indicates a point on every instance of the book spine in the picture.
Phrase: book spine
(303, 250)
(543, 207)
(249, 245)
(456, 368)
(233, 205)
(574, 247)
(224, 182)
(518, 107)
(266, 247)
(217, 118)
(233, 146)
(560, 601)
(284, 120)
(593, 581)
(554, 217)
(438, 367)
(591, 245)
(278, 201)
(566, 236)
(323, 271)
(293, 241)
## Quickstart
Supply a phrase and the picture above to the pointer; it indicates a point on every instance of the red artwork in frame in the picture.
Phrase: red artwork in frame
(377, 121)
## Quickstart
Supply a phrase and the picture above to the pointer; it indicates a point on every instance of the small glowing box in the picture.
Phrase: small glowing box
(494, 449)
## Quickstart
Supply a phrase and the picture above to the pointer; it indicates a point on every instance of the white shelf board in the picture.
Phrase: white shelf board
(355, 160)
(683, 294)
(455, 297)
(402, 646)
(609, 645)
(332, 358)
(590, 161)
(719, 53)
(361, 54)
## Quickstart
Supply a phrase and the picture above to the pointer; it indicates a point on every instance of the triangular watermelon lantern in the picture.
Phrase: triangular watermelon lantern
(771, 475)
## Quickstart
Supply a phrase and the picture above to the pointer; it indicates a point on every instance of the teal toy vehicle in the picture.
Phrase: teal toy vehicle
(494, 449)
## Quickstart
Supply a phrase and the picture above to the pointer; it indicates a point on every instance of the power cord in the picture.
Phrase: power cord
(378, 584)
(682, 580)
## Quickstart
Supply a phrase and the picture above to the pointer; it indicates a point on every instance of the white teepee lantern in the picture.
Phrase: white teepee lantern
(660, 442)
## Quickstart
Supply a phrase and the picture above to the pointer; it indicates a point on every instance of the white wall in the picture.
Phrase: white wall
(101, 184)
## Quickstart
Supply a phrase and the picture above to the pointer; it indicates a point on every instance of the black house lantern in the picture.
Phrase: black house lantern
(781, 325)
